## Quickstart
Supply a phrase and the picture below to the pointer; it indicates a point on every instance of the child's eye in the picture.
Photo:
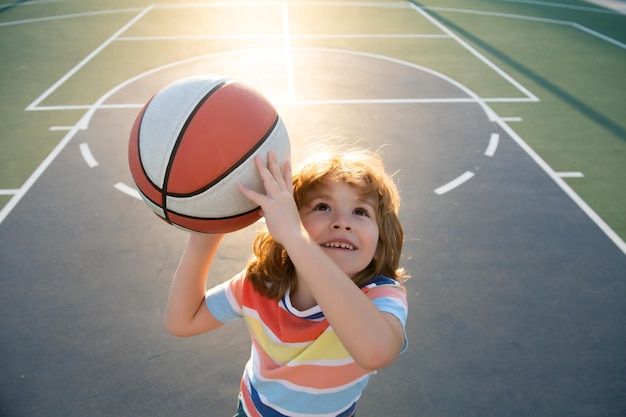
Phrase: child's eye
(322, 207)
(361, 212)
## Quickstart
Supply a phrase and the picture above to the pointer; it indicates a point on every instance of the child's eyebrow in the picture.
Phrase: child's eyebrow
(368, 201)
(322, 196)
(318, 196)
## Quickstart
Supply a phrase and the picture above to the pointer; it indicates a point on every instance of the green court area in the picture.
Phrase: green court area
(553, 69)
(573, 58)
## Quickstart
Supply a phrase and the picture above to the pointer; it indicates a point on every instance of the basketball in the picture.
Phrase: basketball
(194, 141)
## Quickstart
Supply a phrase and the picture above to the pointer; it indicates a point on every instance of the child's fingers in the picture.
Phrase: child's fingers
(268, 179)
(275, 168)
(250, 194)
(287, 174)
(274, 177)
(261, 167)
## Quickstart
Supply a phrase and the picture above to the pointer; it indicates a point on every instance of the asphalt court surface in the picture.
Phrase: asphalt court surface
(516, 301)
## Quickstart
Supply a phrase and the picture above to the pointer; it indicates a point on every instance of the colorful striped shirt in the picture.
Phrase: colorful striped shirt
(298, 367)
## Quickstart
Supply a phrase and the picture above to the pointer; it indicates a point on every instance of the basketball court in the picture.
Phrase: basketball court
(516, 302)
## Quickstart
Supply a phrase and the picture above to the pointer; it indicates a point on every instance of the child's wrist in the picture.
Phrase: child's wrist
(298, 241)
(203, 239)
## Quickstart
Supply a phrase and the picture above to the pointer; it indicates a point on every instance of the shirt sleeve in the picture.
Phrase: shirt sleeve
(391, 299)
(224, 300)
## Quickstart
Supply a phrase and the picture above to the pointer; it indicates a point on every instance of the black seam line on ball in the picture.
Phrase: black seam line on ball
(234, 166)
(234, 216)
(179, 140)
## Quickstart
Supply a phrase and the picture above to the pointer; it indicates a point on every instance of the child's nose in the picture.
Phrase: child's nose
(341, 222)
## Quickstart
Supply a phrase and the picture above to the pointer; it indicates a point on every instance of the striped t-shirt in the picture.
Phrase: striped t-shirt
(298, 367)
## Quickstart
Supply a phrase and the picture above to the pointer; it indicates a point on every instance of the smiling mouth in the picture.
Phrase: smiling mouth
(338, 245)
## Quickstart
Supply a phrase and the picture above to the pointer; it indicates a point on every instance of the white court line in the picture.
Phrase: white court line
(511, 119)
(533, 19)
(510, 100)
(374, 36)
(466, 176)
(610, 233)
(493, 145)
(86, 107)
(394, 101)
(619, 6)
(598, 35)
(499, 14)
(64, 107)
(281, 36)
(87, 155)
(562, 6)
(9, 192)
(570, 174)
(477, 54)
(66, 16)
(396, 5)
(459, 100)
(128, 190)
(86, 60)
(30, 3)
(36, 174)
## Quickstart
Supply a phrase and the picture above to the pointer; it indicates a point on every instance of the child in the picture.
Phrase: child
(322, 297)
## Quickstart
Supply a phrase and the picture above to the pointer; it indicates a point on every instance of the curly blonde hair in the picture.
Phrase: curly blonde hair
(271, 271)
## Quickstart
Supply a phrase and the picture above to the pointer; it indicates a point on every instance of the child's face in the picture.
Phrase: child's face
(343, 223)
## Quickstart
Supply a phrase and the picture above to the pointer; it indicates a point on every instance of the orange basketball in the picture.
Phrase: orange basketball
(194, 141)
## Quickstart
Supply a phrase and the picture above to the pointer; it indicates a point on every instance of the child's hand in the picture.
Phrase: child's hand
(278, 205)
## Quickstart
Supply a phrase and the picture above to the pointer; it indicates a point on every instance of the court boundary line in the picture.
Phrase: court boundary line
(459, 100)
(531, 18)
(563, 6)
(280, 36)
(66, 16)
(569, 191)
(9, 191)
(30, 181)
(477, 54)
(391, 5)
(386, 5)
(85, 60)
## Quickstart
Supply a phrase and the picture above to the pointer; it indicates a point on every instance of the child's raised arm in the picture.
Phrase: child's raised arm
(373, 338)
(186, 313)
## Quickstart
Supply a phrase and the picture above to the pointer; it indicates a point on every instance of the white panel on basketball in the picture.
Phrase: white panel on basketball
(231, 201)
(165, 117)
